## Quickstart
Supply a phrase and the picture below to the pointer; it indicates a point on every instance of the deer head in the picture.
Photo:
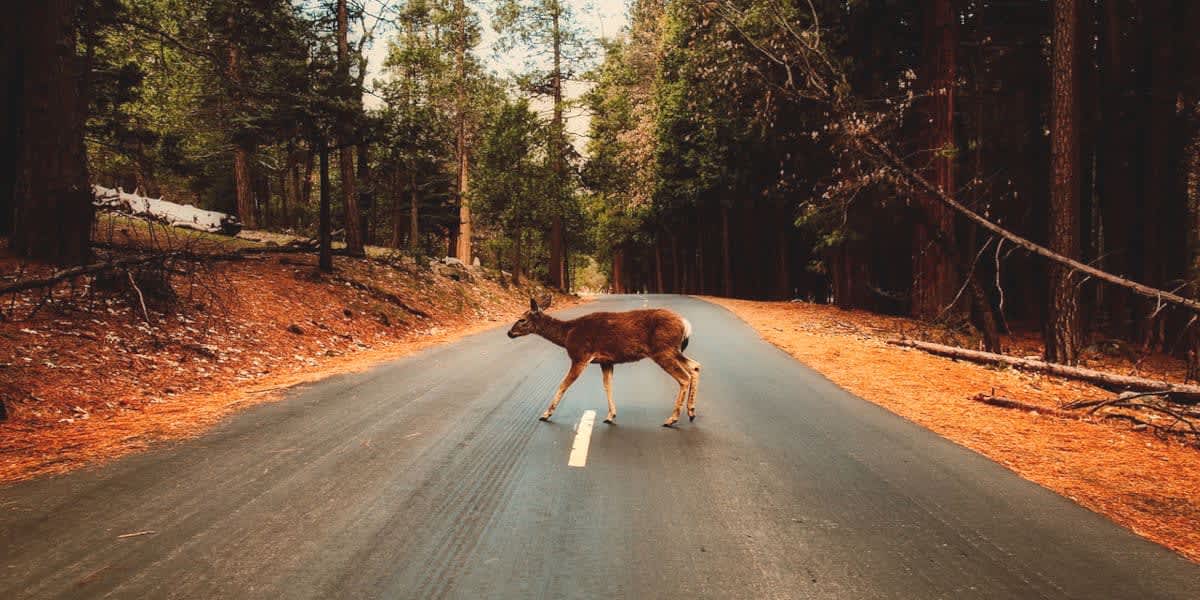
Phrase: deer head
(527, 324)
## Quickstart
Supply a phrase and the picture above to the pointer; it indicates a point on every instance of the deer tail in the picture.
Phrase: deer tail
(687, 334)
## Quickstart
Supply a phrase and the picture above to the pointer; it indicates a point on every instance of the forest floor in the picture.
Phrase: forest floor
(88, 377)
(1138, 480)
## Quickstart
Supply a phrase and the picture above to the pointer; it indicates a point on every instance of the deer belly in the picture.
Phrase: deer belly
(616, 357)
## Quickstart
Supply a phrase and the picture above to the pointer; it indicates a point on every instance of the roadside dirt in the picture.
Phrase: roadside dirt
(88, 379)
(1146, 484)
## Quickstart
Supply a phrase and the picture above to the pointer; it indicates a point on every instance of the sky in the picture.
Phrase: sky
(598, 18)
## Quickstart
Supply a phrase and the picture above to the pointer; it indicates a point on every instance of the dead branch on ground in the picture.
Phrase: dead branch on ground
(1182, 392)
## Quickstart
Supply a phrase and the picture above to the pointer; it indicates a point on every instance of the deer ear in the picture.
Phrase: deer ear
(547, 300)
(533, 307)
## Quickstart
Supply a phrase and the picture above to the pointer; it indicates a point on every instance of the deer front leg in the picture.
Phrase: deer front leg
(607, 370)
(572, 374)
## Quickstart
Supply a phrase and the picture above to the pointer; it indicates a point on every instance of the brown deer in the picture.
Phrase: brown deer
(609, 338)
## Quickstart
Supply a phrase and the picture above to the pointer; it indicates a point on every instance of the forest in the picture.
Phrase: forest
(988, 165)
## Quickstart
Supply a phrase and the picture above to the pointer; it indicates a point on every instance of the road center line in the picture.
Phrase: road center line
(583, 437)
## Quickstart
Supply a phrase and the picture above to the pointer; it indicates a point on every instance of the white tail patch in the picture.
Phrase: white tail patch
(687, 328)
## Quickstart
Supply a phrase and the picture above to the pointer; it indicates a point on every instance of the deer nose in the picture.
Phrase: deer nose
(511, 334)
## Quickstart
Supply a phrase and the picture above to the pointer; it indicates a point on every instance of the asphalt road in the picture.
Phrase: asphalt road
(431, 477)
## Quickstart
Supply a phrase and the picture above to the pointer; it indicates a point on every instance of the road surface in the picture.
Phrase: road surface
(431, 477)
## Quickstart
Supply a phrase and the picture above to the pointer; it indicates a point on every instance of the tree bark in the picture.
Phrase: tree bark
(52, 202)
(354, 235)
(518, 258)
(726, 258)
(658, 268)
(365, 199)
(463, 251)
(11, 95)
(934, 284)
(557, 141)
(243, 187)
(1062, 326)
(414, 215)
(324, 227)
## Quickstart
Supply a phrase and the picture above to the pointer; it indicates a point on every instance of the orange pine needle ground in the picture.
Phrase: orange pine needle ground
(88, 381)
(1144, 483)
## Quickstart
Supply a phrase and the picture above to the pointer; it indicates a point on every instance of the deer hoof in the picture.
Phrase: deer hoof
(691, 418)
(544, 418)
(609, 420)
(669, 424)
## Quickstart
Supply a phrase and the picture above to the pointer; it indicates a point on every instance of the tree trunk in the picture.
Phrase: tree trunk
(365, 198)
(354, 234)
(1062, 328)
(463, 251)
(1157, 182)
(1117, 171)
(52, 217)
(324, 227)
(557, 141)
(618, 269)
(11, 106)
(726, 257)
(658, 268)
(783, 287)
(934, 284)
(518, 258)
(1191, 180)
(243, 186)
(414, 217)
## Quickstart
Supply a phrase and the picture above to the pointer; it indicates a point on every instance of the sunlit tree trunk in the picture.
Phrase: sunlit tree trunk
(463, 252)
(557, 141)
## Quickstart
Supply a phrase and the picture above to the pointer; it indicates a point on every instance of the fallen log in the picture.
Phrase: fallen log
(1018, 405)
(1178, 391)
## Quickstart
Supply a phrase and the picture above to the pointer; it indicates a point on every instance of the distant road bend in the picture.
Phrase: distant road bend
(431, 477)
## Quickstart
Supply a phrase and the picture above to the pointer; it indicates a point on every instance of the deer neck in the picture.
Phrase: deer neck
(553, 329)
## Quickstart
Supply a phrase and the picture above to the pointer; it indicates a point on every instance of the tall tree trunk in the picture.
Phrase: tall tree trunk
(618, 274)
(1157, 183)
(463, 252)
(1062, 326)
(52, 218)
(726, 257)
(243, 186)
(1117, 169)
(414, 217)
(658, 268)
(557, 140)
(324, 227)
(354, 234)
(12, 80)
(676, 283)
(1190, 46)
(518, 258)
(783, 287)
(934, 284)
(365, 199)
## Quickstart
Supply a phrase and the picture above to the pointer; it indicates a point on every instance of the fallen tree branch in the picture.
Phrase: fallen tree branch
(1178, 391)
(1183, 423)
(1018, 405)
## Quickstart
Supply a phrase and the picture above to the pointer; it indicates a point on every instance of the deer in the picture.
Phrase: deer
(611, 338)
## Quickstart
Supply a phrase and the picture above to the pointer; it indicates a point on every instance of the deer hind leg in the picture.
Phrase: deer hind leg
(607, 370)
(572, 374)
(693, 368)
(675, 369)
